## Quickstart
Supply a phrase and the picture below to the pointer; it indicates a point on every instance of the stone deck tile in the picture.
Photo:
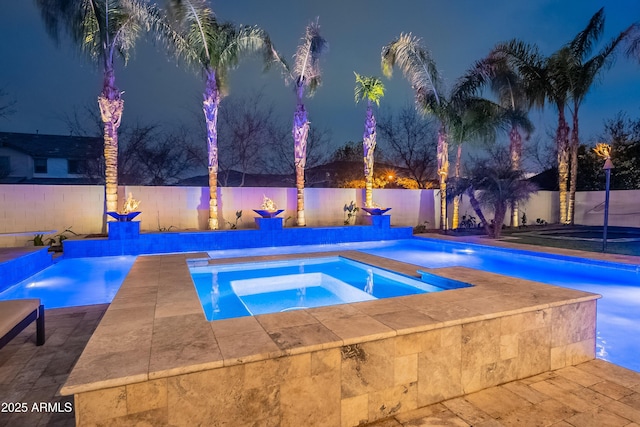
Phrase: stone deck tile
(33, 374)
(567, 397)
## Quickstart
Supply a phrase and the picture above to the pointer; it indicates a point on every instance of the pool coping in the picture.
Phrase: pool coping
(155, 327)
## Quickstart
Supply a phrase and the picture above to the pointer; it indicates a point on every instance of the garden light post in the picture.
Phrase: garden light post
(608, 165)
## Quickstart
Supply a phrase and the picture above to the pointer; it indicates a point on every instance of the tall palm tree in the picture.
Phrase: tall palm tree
(470, 119)
(545, 79)
(583, 73)
(104, 30)
(370, 89)
(306, 76)
(509, 91)
(417, 65)
(216, 48)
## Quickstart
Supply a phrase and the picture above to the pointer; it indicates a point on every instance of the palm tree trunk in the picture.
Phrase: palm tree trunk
(573, 148)
(111, 105)
(369, 146)
(210, 109)
(443, 172)
(456, 201)
(478, 210)
(300, 133)
(562, 141)
(498, 219)
(515, 150)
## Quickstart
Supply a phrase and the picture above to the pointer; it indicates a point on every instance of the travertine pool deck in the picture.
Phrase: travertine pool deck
(154, 357)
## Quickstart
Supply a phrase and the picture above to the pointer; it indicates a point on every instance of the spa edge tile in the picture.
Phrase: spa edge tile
(358, 328)
(406, 321)
(247, 347)
(304, 338)
(182, 341)
(237, 325)
(275, 321)
(116, 369)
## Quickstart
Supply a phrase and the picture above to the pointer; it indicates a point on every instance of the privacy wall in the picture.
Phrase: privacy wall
(50, 209)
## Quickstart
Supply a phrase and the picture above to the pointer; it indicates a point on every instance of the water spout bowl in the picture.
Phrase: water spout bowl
(376, 211)
(121, 217)
(268, 214)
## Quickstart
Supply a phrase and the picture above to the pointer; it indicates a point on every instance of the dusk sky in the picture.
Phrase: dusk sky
(47, 81)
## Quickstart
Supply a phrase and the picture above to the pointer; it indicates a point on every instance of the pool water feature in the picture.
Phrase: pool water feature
(244, 289)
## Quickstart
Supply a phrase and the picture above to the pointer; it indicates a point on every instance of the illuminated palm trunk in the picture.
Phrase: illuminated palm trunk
(573, 148)
(515, 152)
(300, 134)
(210, 109)
(443, 172)
(562, 136)
(369, 146)
(455, 221)
(111, 106)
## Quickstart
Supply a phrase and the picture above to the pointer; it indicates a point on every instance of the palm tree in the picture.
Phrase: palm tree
(417, 65)
(545, 79)
(216, 48)
(306, 75)
(583, 73)
(103, 30)
(371, 89)
(509, 90)
(470, 119)
(494, 184)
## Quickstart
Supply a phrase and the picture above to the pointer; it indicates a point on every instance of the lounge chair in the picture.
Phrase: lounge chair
(15, 315)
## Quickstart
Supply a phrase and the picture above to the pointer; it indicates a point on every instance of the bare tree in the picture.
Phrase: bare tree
(7, 105)
(245, 136)
(147, 154)
(409, 141)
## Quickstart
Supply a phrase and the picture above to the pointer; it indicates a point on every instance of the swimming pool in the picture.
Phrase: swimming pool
(245, 289)
(74, 282)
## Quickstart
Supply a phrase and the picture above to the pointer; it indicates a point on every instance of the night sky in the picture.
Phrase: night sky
(47, 81)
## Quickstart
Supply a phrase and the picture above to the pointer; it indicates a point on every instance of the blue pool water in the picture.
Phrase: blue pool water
(245, 289)
(74, 282)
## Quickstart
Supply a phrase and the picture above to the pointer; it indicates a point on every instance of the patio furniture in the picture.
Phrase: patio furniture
(15, 315)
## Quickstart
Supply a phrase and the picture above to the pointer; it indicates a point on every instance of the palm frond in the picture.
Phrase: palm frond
(530, 65)
(306, 67)
(588, 71)
(582, 44)
(368, 87)
(633, 43)
(416, 64)
(197, 24)
(99, 28)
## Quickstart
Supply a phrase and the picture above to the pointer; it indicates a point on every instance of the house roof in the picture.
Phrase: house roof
(52, 146)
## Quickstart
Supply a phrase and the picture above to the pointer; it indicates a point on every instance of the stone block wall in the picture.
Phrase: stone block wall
(361, 382)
